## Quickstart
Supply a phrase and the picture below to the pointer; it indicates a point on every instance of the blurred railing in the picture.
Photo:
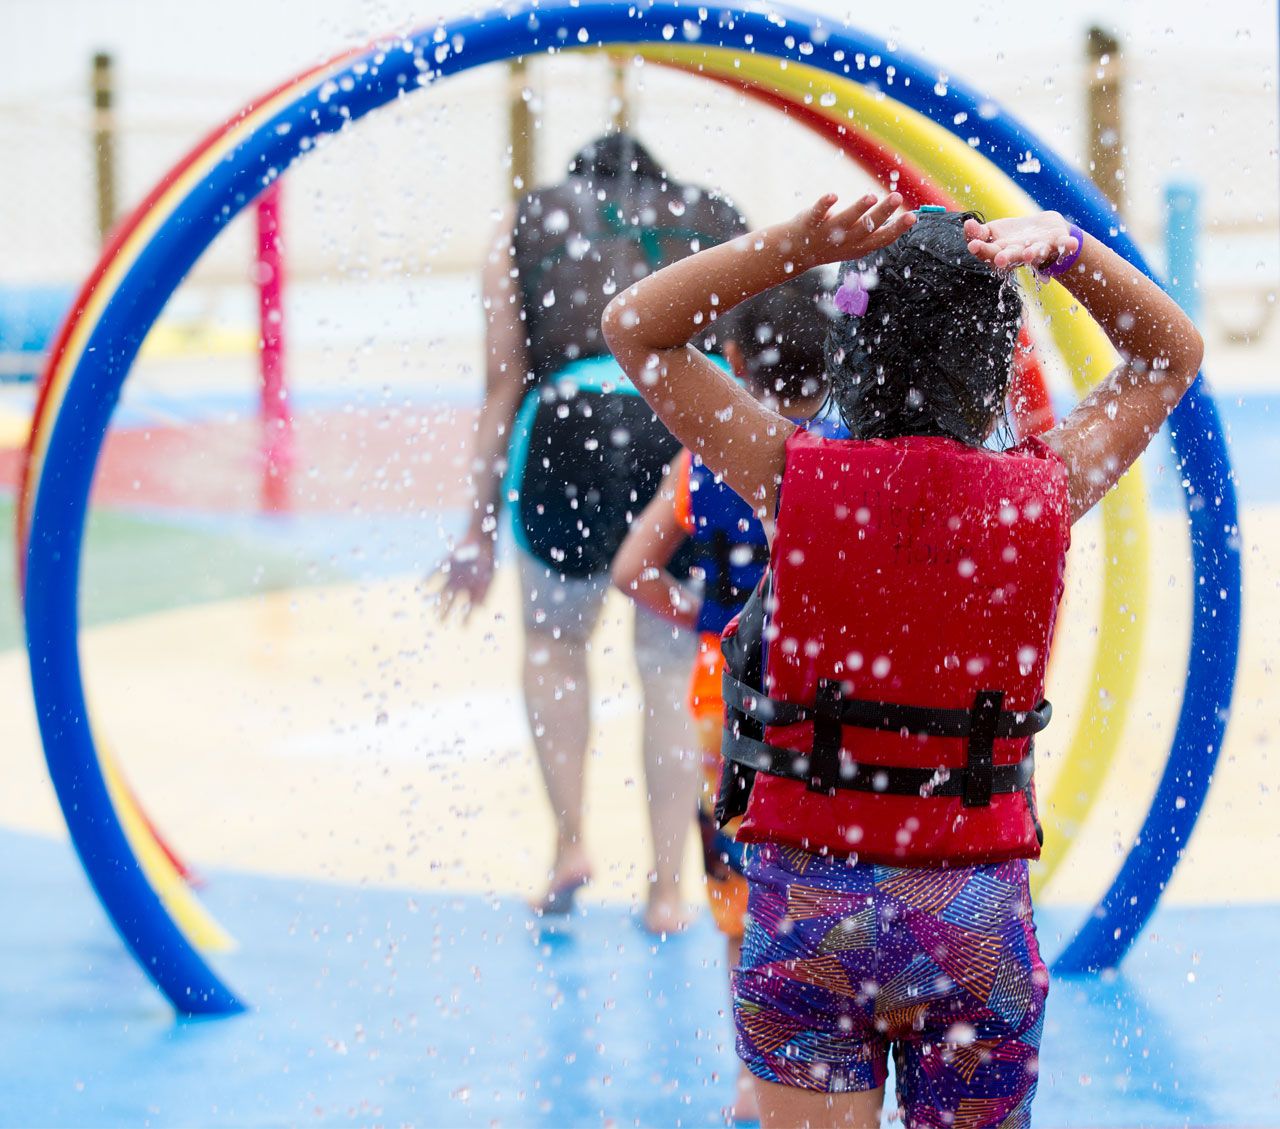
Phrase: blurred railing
(417, 190)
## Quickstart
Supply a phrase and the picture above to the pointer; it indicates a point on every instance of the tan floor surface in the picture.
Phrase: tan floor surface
(343, 733)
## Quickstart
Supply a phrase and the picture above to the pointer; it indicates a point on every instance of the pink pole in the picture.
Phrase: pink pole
(277, 418)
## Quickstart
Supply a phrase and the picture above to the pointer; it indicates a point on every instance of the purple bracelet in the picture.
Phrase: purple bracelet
(1066, 262)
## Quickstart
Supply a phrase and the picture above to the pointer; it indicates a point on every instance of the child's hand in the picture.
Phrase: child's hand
(822, 236)
(1036, 241)
(466, 572)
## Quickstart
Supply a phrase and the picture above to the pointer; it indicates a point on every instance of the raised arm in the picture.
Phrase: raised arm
(649, 326)
(1159, 347)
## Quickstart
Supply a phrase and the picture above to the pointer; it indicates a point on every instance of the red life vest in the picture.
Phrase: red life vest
(913, 589)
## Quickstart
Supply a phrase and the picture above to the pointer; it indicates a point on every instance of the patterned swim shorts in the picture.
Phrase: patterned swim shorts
(843, 963)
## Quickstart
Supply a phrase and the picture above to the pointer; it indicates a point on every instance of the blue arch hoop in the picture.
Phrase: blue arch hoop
(389, 72)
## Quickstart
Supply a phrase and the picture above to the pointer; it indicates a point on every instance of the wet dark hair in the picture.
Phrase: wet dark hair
(781, 334)
(933, 355)
(615, 156)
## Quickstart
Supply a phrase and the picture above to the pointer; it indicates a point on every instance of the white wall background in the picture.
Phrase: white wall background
(415, 189)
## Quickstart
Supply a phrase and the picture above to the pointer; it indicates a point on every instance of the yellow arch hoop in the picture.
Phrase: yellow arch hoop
(196, 922)
(976, 183)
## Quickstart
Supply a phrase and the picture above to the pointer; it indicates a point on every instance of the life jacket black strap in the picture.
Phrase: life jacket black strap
(822, 770)
(758, 756)
(929, 721)
(979, 772)
(824, 766)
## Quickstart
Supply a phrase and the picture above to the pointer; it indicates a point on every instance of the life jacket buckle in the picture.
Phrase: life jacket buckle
(984, 719)
(828, 733)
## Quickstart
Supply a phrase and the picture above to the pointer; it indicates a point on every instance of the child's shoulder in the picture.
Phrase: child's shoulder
(1035, 447)
(826, 426)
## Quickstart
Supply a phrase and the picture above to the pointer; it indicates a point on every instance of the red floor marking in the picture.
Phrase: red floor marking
(357, 461)
(10, 468)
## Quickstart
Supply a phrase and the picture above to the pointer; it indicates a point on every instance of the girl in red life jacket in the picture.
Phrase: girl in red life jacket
(774, 344)
(914, 579)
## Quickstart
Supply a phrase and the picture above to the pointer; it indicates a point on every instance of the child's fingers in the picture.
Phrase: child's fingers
(879, 226)
(1047, 253)
(983, 250)
(850, 224)
(1010, 255)
(468, 606)
(887, 233)
(854, 212)
(867, 224)
(974, 230)
(1068, 246)
(821, 207)
(881, 211)
(444, 602)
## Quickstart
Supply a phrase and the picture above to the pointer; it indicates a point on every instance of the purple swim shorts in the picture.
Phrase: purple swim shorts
(843, 964)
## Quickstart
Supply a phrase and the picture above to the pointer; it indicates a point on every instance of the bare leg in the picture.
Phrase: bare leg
(671, 762)
(558, 707)
(559, 618)
(788, 1107)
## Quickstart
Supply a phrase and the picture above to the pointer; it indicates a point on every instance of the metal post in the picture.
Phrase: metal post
(1181, 241)
(520, 126)
(1106, 123)
(277, 417)
(104, 141)
(620, 101)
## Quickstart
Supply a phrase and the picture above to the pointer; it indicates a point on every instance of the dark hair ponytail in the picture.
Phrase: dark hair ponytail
(933, 354)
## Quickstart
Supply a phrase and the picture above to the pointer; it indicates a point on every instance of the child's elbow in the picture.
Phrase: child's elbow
(623, 575)
(1187, 358)
(1196, 348)
(612, 323)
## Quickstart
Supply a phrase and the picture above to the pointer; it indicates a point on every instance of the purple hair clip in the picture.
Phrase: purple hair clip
(852, 296)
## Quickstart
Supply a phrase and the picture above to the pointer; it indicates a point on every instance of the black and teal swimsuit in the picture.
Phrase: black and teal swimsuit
(587, 455)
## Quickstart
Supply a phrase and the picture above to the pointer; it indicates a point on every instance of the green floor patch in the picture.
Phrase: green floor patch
(135, 565)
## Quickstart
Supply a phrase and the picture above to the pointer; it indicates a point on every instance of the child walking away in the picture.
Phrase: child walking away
(884, 687)
(581, 453)
(774, 345)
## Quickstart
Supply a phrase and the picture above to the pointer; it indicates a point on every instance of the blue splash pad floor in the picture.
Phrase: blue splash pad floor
(384, 1007)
